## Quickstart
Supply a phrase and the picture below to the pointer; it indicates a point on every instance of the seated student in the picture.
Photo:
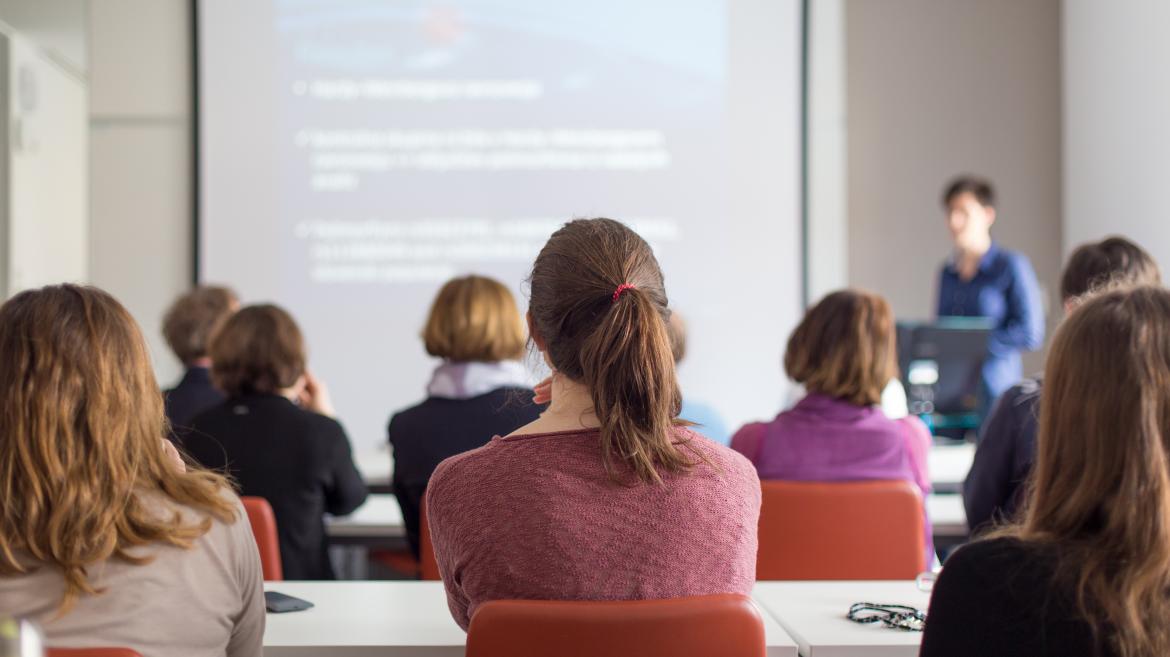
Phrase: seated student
(705, 417)
(606, 496)
(480, 390)
(1003, 460)
(1087, 570)
(107, 538)
(843, 353)
(275, 435)
(187, 328)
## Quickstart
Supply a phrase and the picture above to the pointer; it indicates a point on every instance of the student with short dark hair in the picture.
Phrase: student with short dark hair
(1007, 446)
(982, 279)
(843, 353)
(479, 390)
(275, 435)
(187, 327)
(1086, 571)
(605, 496)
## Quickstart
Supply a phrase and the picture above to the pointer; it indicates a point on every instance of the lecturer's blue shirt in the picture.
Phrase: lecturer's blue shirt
(1005, 290)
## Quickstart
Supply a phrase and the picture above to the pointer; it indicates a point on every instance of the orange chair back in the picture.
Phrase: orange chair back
(90, 652)
(840, 530)
(263, 523)
(428, 567)
(724, 625)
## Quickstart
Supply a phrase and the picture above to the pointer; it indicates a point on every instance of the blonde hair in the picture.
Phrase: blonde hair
(474, 319)
(845, 347)
(81, 431)
(1101, 489)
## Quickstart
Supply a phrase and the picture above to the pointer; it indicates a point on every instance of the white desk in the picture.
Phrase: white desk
(393, 619)
(813, 613)
(947, 515)
(379, 517)
(949, 465)
(375, 466)
(364, 619)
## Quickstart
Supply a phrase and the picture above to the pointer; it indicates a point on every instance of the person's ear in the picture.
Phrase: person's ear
(990, 216)
(534, 334)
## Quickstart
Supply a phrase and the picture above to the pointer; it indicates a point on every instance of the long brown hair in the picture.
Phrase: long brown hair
(81, 430)
(1101, 492)
(614, 343)
(844, 347)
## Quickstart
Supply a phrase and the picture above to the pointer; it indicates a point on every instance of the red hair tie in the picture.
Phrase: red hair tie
(621, 288)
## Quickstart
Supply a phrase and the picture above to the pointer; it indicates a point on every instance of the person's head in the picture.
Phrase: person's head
(258, 350)
(474, 319)
(970, 206)
(81, 431)
(676, 327)
(192, 318)
(598, 313)
(1112, 261)
(1101, 489)
(845, 348)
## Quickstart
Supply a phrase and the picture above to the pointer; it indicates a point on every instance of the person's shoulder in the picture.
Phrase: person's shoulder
(467, 464)
(997, 559)
(1026, 392)
(721, 457)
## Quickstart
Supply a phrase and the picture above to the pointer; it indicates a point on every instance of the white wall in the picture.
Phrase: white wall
(941, 87)
(140, 126)
(828, 219)
(1117, 122)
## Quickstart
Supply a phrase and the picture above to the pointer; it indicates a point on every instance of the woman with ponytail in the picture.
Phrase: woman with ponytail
(1086, 572)
(606, 496)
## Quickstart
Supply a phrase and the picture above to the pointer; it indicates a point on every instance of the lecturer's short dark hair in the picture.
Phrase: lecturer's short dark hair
(980, 187)
(1112, 261)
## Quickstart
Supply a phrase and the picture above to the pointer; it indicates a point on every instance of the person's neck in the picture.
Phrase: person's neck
(968, 256)
(203, 362)
(571, 409)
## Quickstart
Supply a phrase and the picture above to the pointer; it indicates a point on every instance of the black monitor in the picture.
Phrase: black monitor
(942, 364)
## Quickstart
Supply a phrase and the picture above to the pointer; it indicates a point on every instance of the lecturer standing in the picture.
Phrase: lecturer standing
(981, 279)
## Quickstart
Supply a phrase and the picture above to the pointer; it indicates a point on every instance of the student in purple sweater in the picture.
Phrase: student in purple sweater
(843, 352)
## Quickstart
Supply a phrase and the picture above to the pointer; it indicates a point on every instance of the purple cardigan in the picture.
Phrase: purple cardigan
(828, 439)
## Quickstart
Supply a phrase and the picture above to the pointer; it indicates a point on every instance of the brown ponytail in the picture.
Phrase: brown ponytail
(614, 344)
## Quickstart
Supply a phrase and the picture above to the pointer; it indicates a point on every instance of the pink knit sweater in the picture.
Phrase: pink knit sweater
(536, 517)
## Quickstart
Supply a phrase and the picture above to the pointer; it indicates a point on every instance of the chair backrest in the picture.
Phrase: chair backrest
(263, 523)
(90, 652)
(840, 530)
(428, 567)
(724, 625)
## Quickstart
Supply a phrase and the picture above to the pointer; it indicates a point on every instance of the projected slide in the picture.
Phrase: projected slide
(354, 155)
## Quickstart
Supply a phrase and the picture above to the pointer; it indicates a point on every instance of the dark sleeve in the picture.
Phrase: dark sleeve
(942, 290)
(345, 490)
(1023, 327)
(966, 618)
(990, 486)
(409, 496)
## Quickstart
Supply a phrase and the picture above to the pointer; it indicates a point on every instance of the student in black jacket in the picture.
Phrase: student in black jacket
(276, 436)
(480, 390)
(187, 327)
(1007, 447)
(1086, 571)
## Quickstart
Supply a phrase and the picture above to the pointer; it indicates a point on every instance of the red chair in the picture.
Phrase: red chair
(263, 523)
(705, 626)
(428, 567)
(90, 652)
(840, 530)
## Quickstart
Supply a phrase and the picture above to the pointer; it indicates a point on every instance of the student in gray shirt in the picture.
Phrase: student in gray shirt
(107, 538)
